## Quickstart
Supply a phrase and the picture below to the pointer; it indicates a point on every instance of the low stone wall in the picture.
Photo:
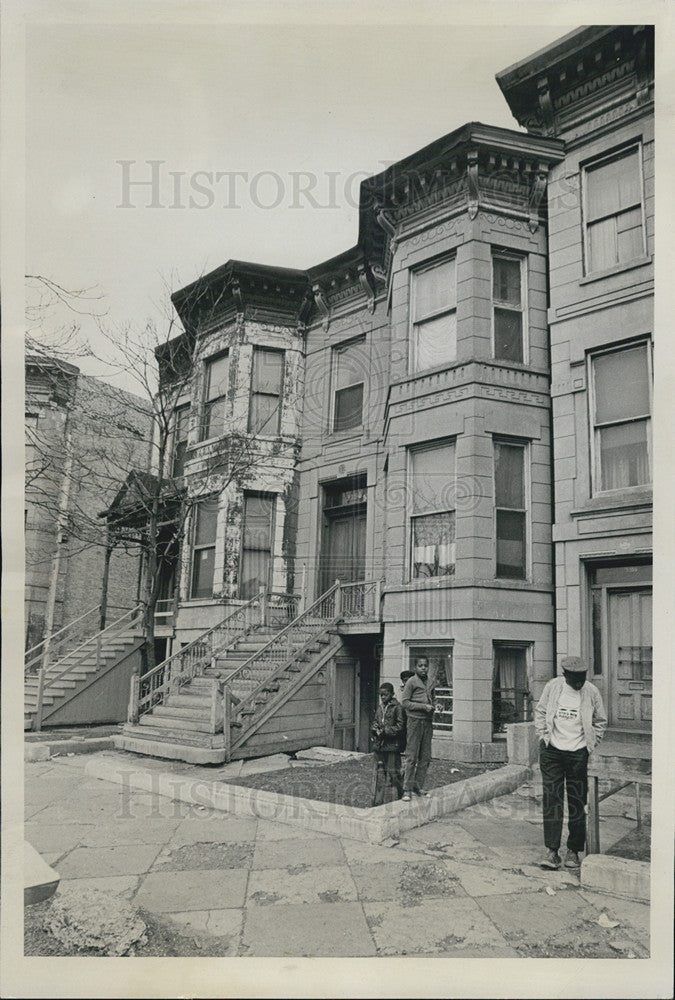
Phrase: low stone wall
(521, 743)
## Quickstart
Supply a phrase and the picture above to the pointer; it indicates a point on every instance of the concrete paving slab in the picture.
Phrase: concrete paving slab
(300, 884)
(262, 765)
(360, 853)
(220, 923)
(184, 857)
(450, 840)
(557, 880)
(116, 885)
(128, 859)
(58, 838)
(268, 830)
(435, 927)
(629, 912)
(218, 829)
(172, 892)
(405, 882)
(130, 831)
(331, 930)
(298, 851)
(543, 917)
(484, 880)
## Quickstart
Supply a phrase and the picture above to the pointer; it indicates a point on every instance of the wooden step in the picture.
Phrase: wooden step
(160, 722)
(188, 701)
(181, 712)
(178, 736)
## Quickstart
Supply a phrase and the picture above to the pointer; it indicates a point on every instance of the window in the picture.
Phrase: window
(204, 547)
(349, 367)
(613, 210)
(432, 505)
(266, 382)
(439, 679)
(434, 316)
(31, 427)
(180, 433)
(256, 544)
(215, 396)
(621, 402)
(510, 508)
(507, 308)
(510, 689)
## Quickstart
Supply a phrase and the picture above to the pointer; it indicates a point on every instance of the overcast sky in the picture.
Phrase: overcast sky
(291, 106)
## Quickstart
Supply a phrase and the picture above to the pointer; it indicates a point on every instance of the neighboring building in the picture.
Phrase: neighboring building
(436, 409)
(82, 437)
(594, 90)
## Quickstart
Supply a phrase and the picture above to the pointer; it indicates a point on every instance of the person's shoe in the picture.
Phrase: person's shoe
(405, 797)
(424, 795)
(552, 861)
(572, 860)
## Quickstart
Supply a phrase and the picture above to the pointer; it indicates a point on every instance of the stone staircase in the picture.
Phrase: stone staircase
(76, 688)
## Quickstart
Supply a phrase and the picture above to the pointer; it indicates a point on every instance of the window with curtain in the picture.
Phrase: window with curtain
(439, 681)
(432, 511)
(215, 396)
(507, 308)
(350, 364)
(510, 510)
(613, 209)
(622, 418)
(434, 315)
(205, 514)
(266, 382)
(510, 688)
(256, 546)
(180, 433)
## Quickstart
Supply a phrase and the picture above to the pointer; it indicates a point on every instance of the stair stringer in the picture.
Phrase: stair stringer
(238, 747)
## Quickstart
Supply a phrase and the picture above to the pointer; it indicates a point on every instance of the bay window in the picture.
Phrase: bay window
(432, 511)
(256, 549)
(266, 382)
(507, 308)
(434, 315)
(215, 396)
(510, 510)
(205, 514)
(180, 434)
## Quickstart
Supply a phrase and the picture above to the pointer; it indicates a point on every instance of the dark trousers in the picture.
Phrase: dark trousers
(560, 768)
(387, 774)
(417, 752)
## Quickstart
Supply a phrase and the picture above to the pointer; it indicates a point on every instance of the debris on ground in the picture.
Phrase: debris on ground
(605, 921)
(89, 918)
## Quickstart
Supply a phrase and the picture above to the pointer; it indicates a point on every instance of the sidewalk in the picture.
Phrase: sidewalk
(465, 886)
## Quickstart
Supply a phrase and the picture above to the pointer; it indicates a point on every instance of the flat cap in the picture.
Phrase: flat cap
(573, 664)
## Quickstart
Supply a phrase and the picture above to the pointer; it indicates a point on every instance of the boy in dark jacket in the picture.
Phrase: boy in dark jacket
(388, 738)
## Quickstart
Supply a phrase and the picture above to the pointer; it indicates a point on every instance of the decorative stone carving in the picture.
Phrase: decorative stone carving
(545, 106)
(369, 291)
(537, 194)
(472, 181)
(322, 304)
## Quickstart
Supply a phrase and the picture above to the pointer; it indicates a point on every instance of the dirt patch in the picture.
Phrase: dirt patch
(425, 881)
(351, 782)
(636, 845)
(162, 939)
(205, 855)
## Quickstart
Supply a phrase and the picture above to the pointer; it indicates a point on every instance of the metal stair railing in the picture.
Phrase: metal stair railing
(324, 611)
(178, 669)
(361, 600)
(49, 677)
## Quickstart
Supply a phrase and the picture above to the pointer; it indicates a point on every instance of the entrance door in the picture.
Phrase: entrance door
(343, 539)
(344, 726)
(630, 658)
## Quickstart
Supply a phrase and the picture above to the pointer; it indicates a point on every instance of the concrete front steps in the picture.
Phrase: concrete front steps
(77, 673)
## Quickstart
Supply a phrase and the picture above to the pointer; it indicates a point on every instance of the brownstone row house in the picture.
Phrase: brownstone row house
(452, 420)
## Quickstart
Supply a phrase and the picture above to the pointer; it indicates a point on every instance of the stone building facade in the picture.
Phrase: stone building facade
(82, 438)
(435, 409)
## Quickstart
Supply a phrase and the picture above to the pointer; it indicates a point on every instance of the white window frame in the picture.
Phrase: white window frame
(410, 516)
(598, 161)
(525, 445)
(497, 253)
(335, 352)
(267, 431)
(594, 436)
(203, 436)
(414, 320)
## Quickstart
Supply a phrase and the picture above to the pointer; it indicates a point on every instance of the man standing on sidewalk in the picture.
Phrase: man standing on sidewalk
(570, 721)
(418, 703)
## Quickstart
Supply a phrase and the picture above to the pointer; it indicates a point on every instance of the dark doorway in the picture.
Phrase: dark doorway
(343, 532)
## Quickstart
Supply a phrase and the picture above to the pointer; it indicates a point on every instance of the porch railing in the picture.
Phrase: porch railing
(510, 705)
(57, 645)
(152, 688)
(361, 600)
(164, 613)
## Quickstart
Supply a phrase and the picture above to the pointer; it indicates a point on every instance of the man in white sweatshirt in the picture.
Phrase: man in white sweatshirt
(570, 721)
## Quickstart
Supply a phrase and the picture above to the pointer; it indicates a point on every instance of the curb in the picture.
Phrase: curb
(43, 751)
(372, 825)
(618, 876)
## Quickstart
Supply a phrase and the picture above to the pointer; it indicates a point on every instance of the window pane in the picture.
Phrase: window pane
(181, 425)
(254, 570)
(440, 680)
(509, 478)
(348, 408)
(621, 385)
(178, 458)
(202, 572)
(258, 522)
(510, 700)
(214, 418)
(216, 381)
(351, 364)
(624, 455)
(433, 545)
(508, 335)
(267, 371)
(433, 479)
(206, 513)
(511, 544)
(506, 280)
(264, 416)
(434, 289)
(602, 247)
(436, 342)
(629, 235)
(613, 186)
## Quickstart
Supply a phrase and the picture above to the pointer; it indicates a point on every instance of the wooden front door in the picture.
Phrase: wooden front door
(629, 615)
(343, 536)
(345, 708)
